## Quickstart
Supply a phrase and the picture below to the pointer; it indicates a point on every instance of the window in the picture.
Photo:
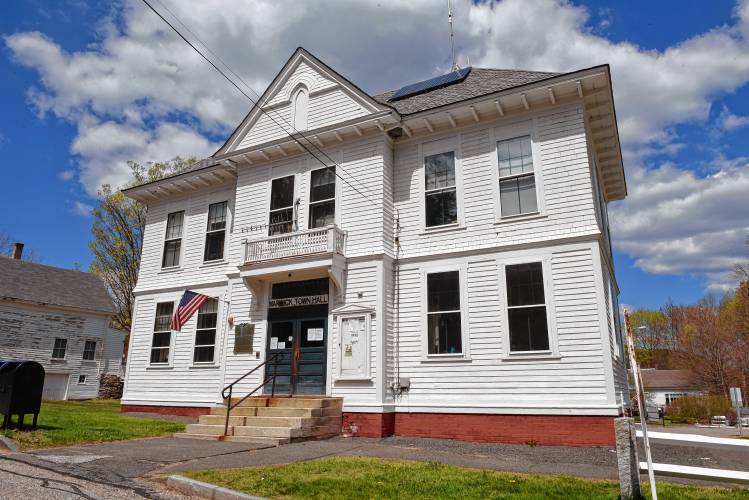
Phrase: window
(443, 313)
(322, 197)
(173, 239)
(162, 333)
(526, 307)
(216, 232)
(89, 350)
(671, 397)
(440, 191)
(517, 182)
(81, 379)
(205, 333)
(281, 206)
(58, 351)
(301, 104)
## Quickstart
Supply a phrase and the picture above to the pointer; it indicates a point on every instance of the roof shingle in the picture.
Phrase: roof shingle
(40, 284)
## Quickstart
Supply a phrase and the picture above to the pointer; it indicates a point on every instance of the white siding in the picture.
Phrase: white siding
(28, 333)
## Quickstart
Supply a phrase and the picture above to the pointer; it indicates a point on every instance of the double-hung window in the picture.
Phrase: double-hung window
(216, 231)
(444, 334)
(173, 239)
(440, 190)
(162, 333)
(526, 307)
(58, 351)
(517, 180)
(322, 197)
(205, 333)
(89, 350)
(281, 206)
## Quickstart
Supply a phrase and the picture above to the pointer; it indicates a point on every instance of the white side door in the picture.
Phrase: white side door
(55, 386)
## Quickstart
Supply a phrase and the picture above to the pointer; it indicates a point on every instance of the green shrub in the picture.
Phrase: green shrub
(697, 408)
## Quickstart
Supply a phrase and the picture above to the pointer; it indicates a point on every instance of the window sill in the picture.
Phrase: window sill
(532, 356)
(213, 263)
(167, 270)
(89, 362)
(159, 367)
(353, 379)
(521, 218)
(442, 229)
(446, 358)
(58, 360)
(210, 366)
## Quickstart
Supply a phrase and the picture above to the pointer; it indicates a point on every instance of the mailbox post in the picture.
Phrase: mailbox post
(737, 403)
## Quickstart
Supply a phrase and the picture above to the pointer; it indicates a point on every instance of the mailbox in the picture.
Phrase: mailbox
(21, 386)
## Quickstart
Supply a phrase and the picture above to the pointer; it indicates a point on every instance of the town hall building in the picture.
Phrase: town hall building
(433, 261)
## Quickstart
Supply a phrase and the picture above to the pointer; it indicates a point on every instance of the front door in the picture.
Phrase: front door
(300, 346)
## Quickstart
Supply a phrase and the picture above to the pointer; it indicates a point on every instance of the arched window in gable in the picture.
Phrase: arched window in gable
(301, 103)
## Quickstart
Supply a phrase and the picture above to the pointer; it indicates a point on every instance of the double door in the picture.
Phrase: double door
(301, 346)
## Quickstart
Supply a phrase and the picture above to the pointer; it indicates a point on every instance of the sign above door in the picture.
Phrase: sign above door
(309, 300)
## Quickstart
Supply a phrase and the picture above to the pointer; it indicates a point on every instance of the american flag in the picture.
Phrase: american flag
(190, 303)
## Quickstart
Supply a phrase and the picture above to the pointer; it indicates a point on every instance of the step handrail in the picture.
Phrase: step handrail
(266, 379)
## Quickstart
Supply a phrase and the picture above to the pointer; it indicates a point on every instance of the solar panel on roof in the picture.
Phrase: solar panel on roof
(431, 84)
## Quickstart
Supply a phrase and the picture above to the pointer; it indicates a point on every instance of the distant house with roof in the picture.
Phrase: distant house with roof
(60, 318)
(663, 387)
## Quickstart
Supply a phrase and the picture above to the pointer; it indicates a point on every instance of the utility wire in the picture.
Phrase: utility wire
(256, 103)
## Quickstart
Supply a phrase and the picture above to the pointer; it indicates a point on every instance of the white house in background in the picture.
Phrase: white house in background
(663, 387)
(60, 318)
(438, 257)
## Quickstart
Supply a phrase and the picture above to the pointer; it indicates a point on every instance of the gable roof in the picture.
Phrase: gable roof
(668, 379)
(46, 285)
(480, 81)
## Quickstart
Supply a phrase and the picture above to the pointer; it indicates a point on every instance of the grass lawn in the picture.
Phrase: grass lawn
(75, 422)
(360, 478)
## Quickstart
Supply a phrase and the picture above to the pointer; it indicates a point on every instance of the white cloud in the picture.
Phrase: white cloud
(129, 93)
(729, 121)
(82, 209)
(66, 175)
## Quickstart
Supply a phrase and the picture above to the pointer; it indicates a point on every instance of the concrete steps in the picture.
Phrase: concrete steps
(272, 421)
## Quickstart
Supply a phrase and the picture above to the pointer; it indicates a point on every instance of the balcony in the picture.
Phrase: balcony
(311, 242)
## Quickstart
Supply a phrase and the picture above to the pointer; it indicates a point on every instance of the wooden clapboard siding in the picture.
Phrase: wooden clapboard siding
(29, 332)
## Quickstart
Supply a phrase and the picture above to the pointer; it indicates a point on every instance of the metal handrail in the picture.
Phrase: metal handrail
(230, 387)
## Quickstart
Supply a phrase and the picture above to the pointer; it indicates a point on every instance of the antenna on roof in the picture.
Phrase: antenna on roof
(455, 66)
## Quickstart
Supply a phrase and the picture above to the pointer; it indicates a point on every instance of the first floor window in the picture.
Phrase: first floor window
(441, 196)
(162, 333)
(322, 197)
(216, 231)
(58, 351)
(526, 307)
(81, 379)
(517, 180)
(173, 239)
(443, 313)
(89, 350)
(281, 219)
(205, 333)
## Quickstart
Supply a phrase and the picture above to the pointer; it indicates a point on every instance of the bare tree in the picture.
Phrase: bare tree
(6, 248)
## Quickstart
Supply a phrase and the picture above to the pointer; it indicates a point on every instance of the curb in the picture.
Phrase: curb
(8, 444)
(206, 490)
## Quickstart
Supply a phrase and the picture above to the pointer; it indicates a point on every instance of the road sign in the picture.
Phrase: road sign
(736, 397)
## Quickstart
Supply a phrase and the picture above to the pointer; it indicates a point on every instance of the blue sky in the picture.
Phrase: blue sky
(87, 86)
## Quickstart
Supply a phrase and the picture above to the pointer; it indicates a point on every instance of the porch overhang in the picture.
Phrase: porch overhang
(327, 264)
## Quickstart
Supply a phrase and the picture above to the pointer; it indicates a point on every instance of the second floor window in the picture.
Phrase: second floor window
(440, 191)
(205, 333)
(526, 307)
(216, 231)
(517, 181)
(281, 206)
(89, 350)
(173, 239)
(58, 351)
(443, 313)
(322, 197)
(162, 333)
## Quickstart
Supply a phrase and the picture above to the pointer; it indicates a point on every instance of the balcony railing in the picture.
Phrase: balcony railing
(330, 239)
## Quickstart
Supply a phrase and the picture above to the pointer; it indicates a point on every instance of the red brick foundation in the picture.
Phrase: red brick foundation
(186, 411)
(550, 430)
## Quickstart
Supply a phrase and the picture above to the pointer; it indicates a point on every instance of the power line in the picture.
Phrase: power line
(254, 102)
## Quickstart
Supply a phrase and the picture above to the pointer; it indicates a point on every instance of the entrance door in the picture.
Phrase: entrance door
(300, 344)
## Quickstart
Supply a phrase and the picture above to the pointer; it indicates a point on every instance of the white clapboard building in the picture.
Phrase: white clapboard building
(438, 258)
(61, 319)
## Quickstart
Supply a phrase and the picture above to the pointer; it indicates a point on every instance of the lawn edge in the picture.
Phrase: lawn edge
(201, 489)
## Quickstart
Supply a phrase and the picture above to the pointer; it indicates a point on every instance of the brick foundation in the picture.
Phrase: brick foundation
(550, 430)
(185, 411)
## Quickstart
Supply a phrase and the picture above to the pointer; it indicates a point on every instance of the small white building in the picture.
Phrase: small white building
(59, 318)
(663, 387)
(439, 257)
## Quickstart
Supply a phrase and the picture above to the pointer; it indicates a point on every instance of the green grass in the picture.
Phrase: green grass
(75, 422)
(365, 478)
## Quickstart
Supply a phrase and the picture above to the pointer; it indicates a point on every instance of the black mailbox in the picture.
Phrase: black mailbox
(21, 386)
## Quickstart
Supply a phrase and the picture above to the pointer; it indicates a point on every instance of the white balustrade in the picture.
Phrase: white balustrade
(328, 239)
